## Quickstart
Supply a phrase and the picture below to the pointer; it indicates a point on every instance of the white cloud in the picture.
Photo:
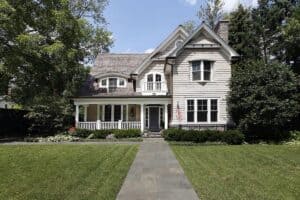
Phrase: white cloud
(149, 50)
(230, 5)
(191, 2)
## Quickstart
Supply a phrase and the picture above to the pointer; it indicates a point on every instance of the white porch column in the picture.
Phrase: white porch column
(85, 112)
(142, 117)
(76, 115)
(98, 112)
(127, 112)
(166, 116)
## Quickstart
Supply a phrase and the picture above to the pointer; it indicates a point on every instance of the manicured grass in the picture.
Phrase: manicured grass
(242, 172)
(64, 171)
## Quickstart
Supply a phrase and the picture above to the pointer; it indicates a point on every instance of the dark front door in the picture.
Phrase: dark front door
(154, 119)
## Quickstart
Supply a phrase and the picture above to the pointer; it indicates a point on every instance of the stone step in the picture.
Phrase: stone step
(152, 135)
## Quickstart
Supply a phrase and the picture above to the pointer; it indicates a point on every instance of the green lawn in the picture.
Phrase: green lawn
(64, 171)
(242, 172)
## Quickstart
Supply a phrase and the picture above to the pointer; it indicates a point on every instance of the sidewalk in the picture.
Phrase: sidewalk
(156, 174)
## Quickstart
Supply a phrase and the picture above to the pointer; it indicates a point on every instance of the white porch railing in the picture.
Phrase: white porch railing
(99, 125)
(87, 125)
(130, 125)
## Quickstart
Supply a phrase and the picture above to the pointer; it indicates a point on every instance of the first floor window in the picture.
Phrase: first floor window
(190, 110)
(213, 110)
(202, 110)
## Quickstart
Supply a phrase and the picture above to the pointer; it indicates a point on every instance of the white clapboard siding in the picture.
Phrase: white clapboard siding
(184, 88)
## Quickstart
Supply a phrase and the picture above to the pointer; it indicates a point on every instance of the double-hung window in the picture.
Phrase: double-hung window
(213, 110)
(202, 110)
(190, 110)
(202, 70)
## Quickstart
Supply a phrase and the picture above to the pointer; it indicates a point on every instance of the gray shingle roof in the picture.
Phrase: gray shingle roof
(108, 64)
(117, 63)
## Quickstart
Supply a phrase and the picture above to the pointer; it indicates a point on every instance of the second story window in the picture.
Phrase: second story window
(202, 70)
(154, 82)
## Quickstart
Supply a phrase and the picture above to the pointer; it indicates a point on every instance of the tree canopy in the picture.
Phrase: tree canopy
(44, 45)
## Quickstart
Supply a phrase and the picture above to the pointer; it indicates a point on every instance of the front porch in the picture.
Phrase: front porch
(139, 113)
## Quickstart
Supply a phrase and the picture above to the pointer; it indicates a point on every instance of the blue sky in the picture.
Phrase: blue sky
(140, 25)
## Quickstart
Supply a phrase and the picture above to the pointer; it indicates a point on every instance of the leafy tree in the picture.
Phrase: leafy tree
(98, 39)
(291, 35)
(189, 26)
(43, 45)
(264, 99)
(211, 12)
(268, 18)
(241, 35)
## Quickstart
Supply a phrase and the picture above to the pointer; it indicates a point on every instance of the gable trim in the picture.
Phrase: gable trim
(231, 51)
(148, 60)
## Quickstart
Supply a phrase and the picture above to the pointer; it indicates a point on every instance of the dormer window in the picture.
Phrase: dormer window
(103, 82)
(121, 82)
(112, 83)
(201, 70)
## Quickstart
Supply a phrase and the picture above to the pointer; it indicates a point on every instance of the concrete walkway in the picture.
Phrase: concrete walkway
(156, 174)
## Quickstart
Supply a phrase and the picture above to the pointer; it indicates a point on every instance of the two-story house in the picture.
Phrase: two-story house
(183, 82)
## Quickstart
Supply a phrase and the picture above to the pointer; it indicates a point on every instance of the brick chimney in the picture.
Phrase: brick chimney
(222, 29)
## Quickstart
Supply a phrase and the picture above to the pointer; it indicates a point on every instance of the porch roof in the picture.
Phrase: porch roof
(166, 99)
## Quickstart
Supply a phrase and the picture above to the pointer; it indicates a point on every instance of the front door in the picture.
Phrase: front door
(154, 119)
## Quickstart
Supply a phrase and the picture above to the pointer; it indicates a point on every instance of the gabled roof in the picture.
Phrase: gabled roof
(116, 64)
(231, 51)
(164, 44)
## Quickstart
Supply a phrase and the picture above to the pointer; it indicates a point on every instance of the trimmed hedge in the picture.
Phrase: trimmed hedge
(102, 134)
(83, 133)
(130, 133)
(229, 137)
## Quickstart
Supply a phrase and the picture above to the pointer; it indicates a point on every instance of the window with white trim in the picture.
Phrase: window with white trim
(112, 83)
(213, 110)
(202, 110)
(202, 70)
(190, 110)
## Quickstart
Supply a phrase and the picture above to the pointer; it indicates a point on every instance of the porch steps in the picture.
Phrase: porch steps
(152, 135)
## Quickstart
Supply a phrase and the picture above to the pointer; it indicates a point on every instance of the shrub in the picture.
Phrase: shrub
(101, 134)
(232, 137)
(264, 99)
(173, 134)
(229, 137)
(83, 133)
(295, 135)
(130, 133)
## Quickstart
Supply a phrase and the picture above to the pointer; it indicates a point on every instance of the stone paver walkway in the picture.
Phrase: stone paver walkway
(156, 174)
